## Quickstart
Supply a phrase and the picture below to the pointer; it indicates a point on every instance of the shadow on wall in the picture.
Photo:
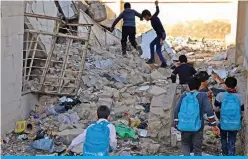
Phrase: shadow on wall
(216, 29)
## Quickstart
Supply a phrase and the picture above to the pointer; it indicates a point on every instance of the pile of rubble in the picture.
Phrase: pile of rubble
(141, 101)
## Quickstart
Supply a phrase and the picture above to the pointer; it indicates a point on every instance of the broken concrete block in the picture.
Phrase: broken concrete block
(156, 75)
(105, 101)
(156, 91)
(68, 135)
(97, 11)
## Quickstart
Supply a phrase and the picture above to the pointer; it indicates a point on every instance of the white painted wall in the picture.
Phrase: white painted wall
(14, 106)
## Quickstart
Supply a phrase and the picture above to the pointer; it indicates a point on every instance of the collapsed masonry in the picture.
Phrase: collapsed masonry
(126, 85)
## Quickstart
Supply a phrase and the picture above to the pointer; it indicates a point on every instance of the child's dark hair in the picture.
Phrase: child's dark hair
(231, 82)
(202, 76)
(127, 5)
(194, 83)
(183, 58)
(146, 13)
(103, 112)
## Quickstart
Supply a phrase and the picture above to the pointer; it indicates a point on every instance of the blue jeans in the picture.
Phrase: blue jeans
(156, 42)
(228, 140)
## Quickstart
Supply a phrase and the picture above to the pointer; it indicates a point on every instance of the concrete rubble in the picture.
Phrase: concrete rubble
(127, 86)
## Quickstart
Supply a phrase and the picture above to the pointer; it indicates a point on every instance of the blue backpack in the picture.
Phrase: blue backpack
(189, 114)
(97, 140)
(230, 113)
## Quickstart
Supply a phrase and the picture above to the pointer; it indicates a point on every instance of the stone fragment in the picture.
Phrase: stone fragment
(68, 135)
(156, 91)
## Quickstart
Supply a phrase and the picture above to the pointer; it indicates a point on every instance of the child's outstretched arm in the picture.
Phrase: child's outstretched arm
(78, 140)
(116, 21)
(157, 9)
(112, 137)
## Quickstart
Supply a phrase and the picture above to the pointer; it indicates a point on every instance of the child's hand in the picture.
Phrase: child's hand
(161, 41)
(67, 151)
(216, 130)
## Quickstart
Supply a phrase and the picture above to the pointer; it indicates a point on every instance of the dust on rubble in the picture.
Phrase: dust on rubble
(127, 85)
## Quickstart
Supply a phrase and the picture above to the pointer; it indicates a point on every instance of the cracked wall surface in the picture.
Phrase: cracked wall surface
(14, 106)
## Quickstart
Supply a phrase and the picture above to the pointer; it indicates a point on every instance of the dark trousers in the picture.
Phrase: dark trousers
(156, 42)
(228, 140)
(128, 31)
(192, 138)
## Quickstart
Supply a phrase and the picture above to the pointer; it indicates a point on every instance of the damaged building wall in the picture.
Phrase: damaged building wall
(14, 106)
(47, 8)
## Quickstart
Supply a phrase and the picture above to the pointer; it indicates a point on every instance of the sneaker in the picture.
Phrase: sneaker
(139, 50)
(150, 61)
(163, 65)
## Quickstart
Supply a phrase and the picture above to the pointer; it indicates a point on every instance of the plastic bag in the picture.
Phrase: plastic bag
(124, 131)
(43, 144)
(74, 118)
(63, 119)
(51, 111)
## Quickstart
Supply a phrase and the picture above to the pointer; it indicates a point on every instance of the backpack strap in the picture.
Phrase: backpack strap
(192, 93)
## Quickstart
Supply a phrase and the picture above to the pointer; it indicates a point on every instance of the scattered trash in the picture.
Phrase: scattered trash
(43, 144)
(124, 131)
(143, 125)
(65, 99)
(134, 122)
(142, 132)
(22, 137)
(146, 106)
(144, 88)
(20, 126)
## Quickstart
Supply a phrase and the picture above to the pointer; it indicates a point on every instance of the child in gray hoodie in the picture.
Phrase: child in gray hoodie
(128, 28)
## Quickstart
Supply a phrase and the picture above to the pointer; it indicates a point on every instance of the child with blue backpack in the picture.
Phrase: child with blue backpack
(188, 117)
(99, 138)
(231, 104)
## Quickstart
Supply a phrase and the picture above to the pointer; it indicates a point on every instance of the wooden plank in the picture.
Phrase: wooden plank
(64, 65)
(55, 34)
(32, 60)
(83, 61)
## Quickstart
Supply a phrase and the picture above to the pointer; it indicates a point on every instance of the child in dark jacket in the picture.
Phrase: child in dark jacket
(158, 41)
(128, 28)
(184, 71)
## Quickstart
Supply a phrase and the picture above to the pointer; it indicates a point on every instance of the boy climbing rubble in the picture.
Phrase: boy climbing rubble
(159, 40)
(188, 117)
(99, 138)
(128, 28)
(184, 71)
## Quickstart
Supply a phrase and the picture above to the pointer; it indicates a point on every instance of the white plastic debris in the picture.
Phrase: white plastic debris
(144, 88)
(142, 132)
